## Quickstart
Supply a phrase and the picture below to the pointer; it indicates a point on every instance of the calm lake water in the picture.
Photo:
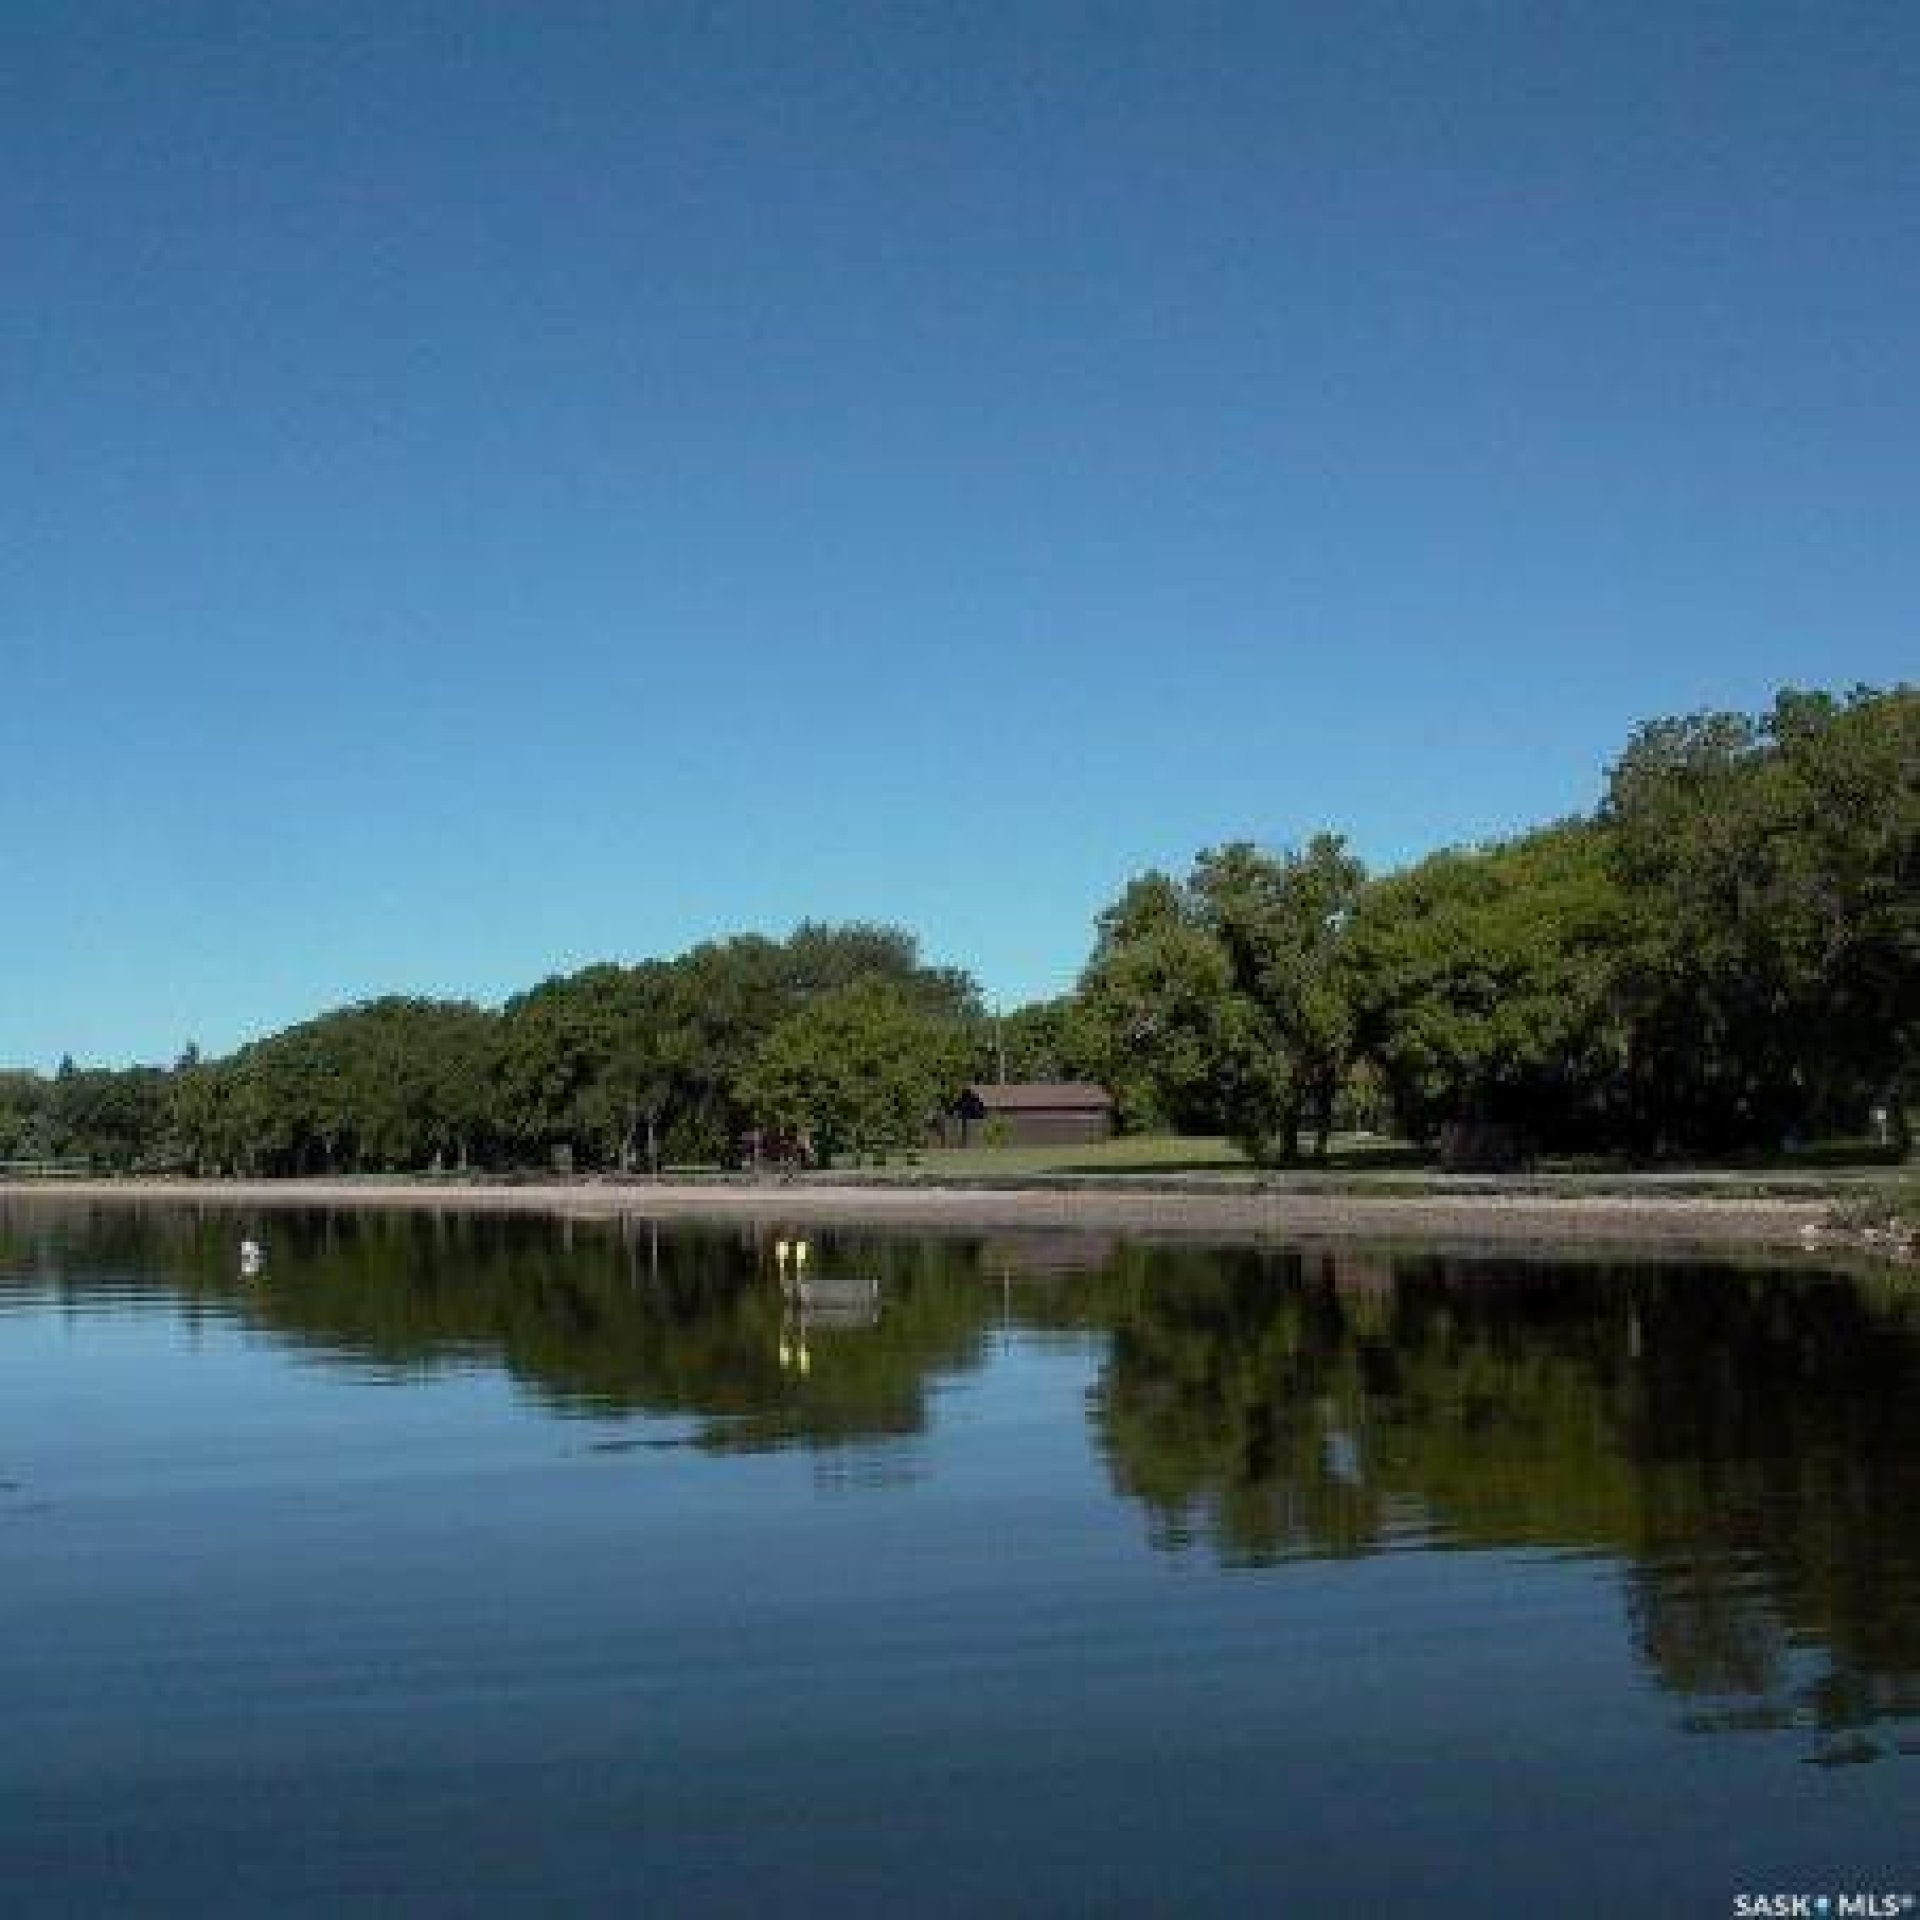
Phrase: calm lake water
(460, 1565)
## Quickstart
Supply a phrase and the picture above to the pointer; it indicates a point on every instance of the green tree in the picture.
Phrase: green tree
(197, 1125)
(1283, 924)
(1043, 1040)
(556, 1048)
(113, 1118)
(1155, 996)
(389, 1085)
(25, 1132)
(1223, 999)
(1485, 987)
(860, 1069)
(1771, 970)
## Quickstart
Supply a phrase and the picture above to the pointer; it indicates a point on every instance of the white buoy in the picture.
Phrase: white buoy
(253, 1257)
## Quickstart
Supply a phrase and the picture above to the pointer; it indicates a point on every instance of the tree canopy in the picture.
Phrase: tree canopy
(1724, 954)
(857, 1069)
(1484, 987)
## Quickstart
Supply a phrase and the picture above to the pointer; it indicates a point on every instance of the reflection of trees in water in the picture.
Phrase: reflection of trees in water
(1777, 1430)
(1280, 1403)
(1231, 1406)
(1747, 1444)
(588, 1317)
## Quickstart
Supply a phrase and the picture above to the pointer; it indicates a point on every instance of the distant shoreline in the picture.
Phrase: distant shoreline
(1653, 1219)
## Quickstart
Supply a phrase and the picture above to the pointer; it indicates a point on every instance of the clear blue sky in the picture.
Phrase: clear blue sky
(487, 488)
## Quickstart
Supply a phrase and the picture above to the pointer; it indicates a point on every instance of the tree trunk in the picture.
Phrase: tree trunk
(1290, 1132)
(1324, 1096)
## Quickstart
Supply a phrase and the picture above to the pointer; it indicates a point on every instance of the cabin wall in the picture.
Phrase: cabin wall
(1026, 1127)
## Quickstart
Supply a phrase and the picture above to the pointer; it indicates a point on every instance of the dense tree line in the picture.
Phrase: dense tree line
(1725, 954)
(839, 1033)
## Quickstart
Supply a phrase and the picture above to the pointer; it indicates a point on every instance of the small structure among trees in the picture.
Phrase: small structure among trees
(1035, 1113)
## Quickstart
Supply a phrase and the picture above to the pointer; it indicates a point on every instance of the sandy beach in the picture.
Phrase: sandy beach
(1660, 1220)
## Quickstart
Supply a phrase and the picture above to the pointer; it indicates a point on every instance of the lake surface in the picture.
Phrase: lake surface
(463, 1564)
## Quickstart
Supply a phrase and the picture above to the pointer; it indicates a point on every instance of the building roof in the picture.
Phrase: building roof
(1079, 1096)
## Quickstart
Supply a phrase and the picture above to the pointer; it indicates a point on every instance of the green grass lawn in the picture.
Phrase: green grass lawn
(1134, 1153)
(1366, 1161)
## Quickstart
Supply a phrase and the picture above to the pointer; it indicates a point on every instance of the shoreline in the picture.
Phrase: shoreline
(1670, 1221)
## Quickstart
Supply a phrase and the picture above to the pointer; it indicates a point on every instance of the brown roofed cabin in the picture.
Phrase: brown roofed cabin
(1037, 1113)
